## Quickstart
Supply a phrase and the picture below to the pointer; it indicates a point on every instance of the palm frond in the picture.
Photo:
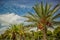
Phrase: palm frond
(38, 10)
(32, 17)
(42, 9)
(31, 25)
(47, 8)
(55, 9)
(56, 23)
(56, 16)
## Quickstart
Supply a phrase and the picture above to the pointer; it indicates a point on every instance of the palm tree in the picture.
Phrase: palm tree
(43, 17)
(15, 32)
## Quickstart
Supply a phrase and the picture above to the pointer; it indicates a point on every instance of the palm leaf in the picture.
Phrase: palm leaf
(47, 8)
(34, 16)
(38, 10)
(56, 16)
(55, 9)
(31, 25)
(31, 17)
(42, 8)
(56, 23)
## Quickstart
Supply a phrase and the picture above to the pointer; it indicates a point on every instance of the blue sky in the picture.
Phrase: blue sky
(20, 7)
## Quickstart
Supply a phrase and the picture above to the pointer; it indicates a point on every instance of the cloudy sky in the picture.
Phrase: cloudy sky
(12, 10)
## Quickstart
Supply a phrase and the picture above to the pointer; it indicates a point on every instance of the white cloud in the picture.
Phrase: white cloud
(10, 18)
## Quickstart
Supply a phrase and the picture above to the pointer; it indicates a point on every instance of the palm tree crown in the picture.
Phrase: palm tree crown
(44, 15)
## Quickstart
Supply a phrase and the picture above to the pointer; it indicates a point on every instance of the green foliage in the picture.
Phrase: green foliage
(57, 33)
(33, 35)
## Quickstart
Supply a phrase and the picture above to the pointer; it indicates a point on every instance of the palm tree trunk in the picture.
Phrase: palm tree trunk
(38, 33)
(14, 36)
(44, 31)
(20, 37)
(23, 37)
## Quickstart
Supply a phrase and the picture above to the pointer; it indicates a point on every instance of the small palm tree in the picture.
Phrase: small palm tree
(43, 17)
(15, 32)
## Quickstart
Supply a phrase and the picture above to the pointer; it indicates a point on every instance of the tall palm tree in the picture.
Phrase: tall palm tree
(44, 17)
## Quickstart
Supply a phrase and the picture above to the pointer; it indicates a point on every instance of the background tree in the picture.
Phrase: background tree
(15, 32)
(57, 33)
(50, 35)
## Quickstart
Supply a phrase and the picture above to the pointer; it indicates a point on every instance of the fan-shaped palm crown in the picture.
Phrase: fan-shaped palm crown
(44, 15)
